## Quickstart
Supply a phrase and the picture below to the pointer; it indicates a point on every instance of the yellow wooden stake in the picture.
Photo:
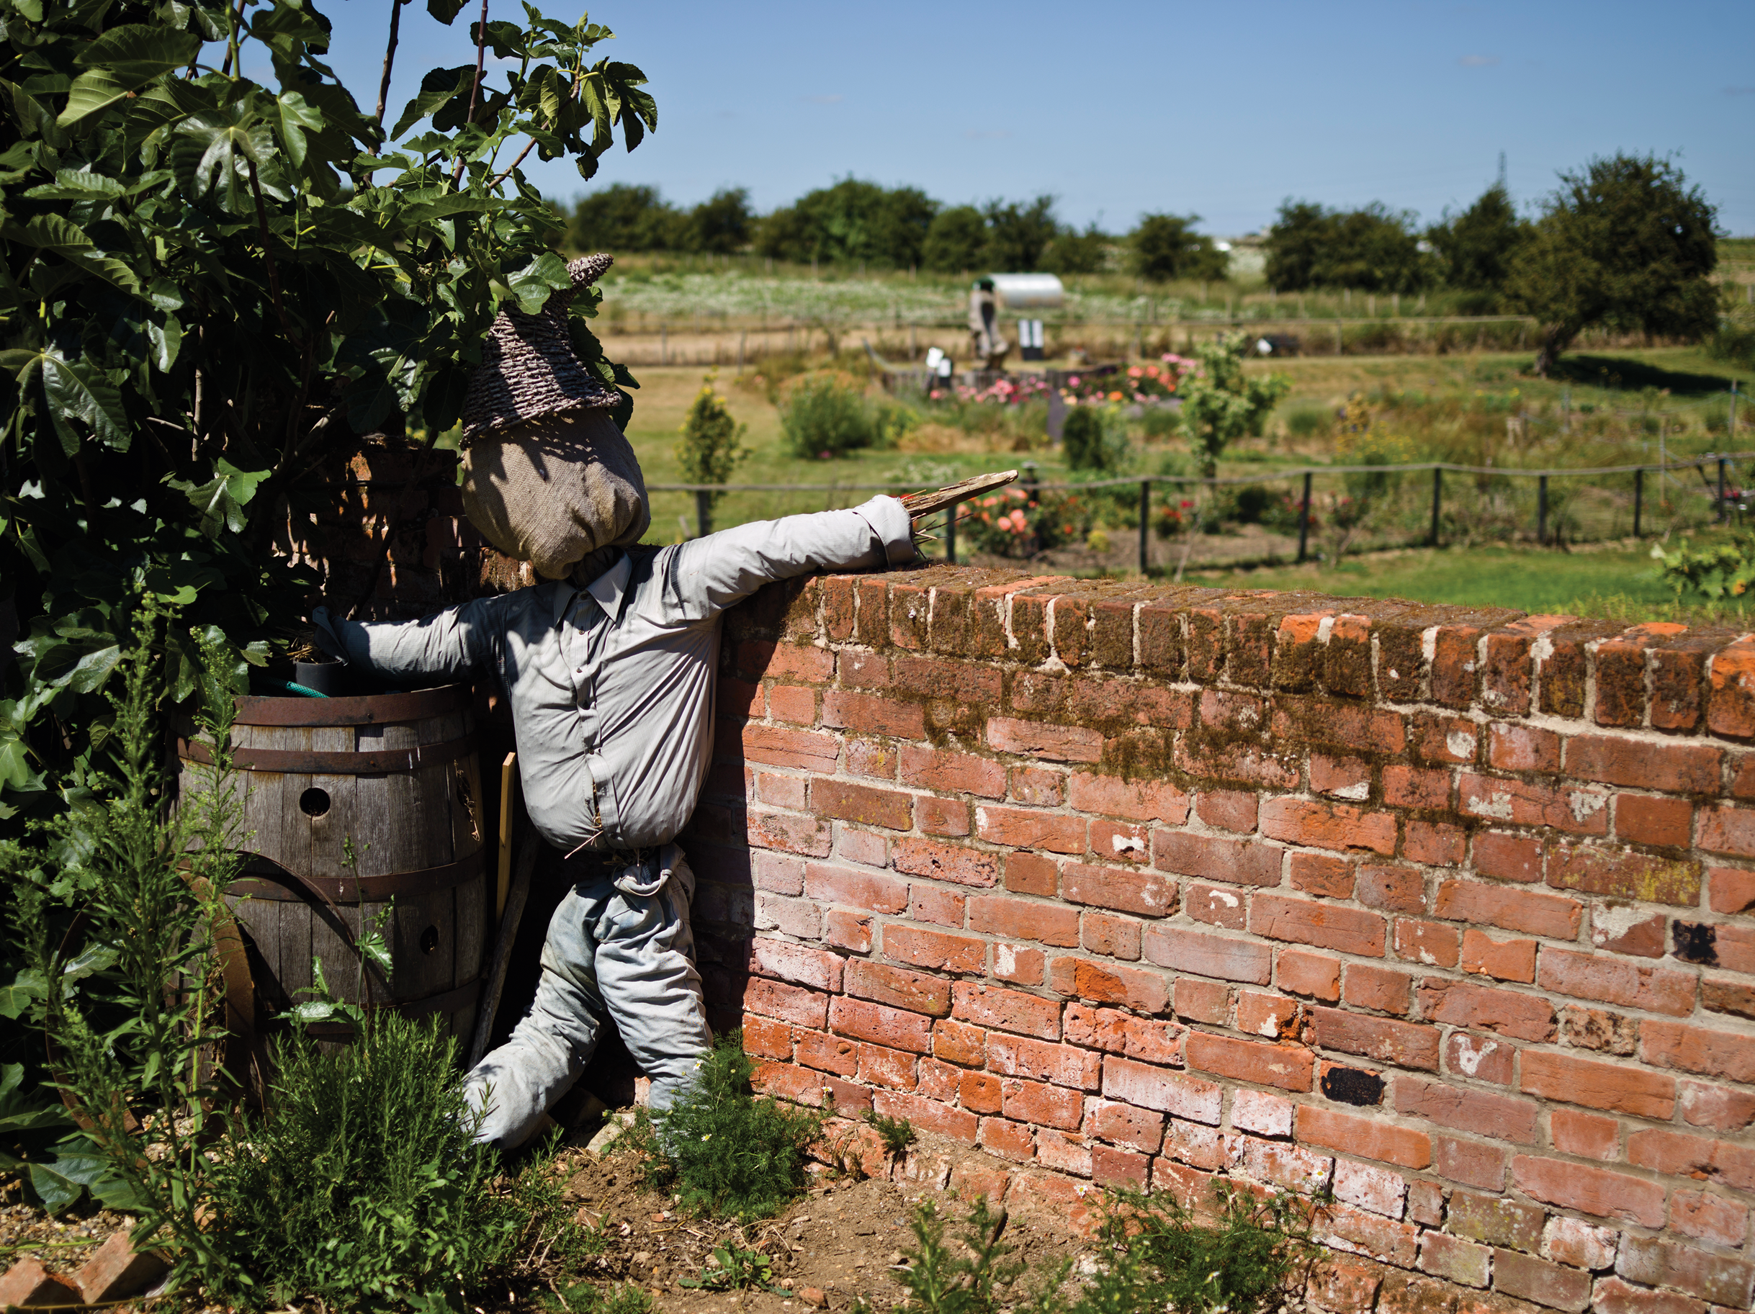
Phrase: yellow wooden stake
(507, 779)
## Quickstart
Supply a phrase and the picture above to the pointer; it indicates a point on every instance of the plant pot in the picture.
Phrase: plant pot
(324, 677)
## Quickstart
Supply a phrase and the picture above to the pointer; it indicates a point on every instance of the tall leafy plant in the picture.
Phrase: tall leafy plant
(212, 284)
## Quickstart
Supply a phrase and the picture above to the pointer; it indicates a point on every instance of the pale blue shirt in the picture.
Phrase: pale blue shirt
(611, 687)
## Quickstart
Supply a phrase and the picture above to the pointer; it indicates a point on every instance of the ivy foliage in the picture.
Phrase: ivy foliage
(211, 284)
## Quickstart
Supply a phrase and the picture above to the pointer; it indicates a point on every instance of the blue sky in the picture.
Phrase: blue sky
(1120, 107)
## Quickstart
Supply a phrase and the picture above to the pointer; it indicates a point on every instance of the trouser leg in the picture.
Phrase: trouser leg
(646, 971)
(550, 1046)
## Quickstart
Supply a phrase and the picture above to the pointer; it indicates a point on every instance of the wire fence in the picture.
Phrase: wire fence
(1295, 513)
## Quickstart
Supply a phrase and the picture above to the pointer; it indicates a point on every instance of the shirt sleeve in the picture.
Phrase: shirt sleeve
(712, 573)
(452, 642)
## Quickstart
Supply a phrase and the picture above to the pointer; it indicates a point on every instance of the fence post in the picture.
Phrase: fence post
(704, 511)
(1437, 498)
(951, 536)
(1145, 518)
(1638, 497)
(1541, 508)
(1304, 519)
(1722, 515)
(663, 344)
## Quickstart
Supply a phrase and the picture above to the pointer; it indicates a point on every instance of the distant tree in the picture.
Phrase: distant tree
(625, 217)
(1475, 247)
(1073, 252)
(721, 224)
(1625, 243)
(853, 221)
(709, 445)
(1372, 249)
(784, 234)
(1018, 233)
(956, 240)
(1220, 404)
(1165, 246)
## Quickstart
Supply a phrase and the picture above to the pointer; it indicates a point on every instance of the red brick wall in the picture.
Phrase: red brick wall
(1448, 911)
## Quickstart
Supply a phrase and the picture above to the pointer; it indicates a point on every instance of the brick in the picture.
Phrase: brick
(1040, 1104)
(1431, 943)
(1217, 906)
(1062, 1153)
(1379, 988)
(1305, 921)
(943, 816)
(846, 930)
(1027, 919)
(1464, 1004)
(1508, 857)
(1369, 1138)
(785, 1003)
(1202, 1001)
(1727, 829)
(794, 703)
(799, 750)
(1224, 957)
(1671, 768)
(1385, 1039)
(1435, 843)
(1532, 1279)
(1007, 1010)
(796, 963)
(945, 862)
(1390, 889)
(1588, 1135)
(1505, 677)
(28, 1285)
(1228, 809)
(1328, 825)
(1235, 762)
(1054, 743)
(1019, 964)
(1664, 822)
(1598, 1029)
(1063, 1065)
(1285, 1066)
(1528, 911)
(1505, 960)
(932, 677)
(1625, 875)
(872, 714)
(1496, 1220)
(1718, 995)
(1320, 874)
(1130, 800)
(1454, 1259)
(773, 872)
(1117, 937)
(1678, 677)
(858, 889)
(781, 791)
(1611, 1295)
(890, 1027)
(1595, 1191)
(1030, 873)
(799, 917)
(1343, 1285)
(953, 773)
(959, 1124)
(867, 848)
(1201, 1147)
(1482, 1113)
(1104, 983)
(809, 836)
(1529, 803)
(115, 1270)
(937, 907)
(1120, 888)
(959, 1043)
(1579, 1244)
(1287, 1165)
(899, 988)
(1616, 981)
(1622, 928)
(1620, 682)
(1695, 1049)
(1411, 787)
(1730, 890)
(1718, 1107)
(1272, 1016)
(935, 950)
(1262, 1113)
(765, 1039)
(1716, 1278)
(1232, 861)
(1455, 664)
(1315, 975)
(1024, 829)
(1036, 786)
(1712, 1218)
(1698, 1157)
(828, 1053)
(1514, 747)
(1340, 777)
(1165, 1091)
(979, 1092)
(1469, 1162)
(1328, 721)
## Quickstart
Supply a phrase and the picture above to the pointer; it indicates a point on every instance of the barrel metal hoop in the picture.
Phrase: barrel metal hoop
(374, 709)
(352, 889)
(374, 762)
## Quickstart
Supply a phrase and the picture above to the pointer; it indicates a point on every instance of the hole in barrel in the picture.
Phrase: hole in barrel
(429, 939)
(314, 802)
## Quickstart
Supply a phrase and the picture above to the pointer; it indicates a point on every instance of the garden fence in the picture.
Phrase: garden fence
(1299, 512)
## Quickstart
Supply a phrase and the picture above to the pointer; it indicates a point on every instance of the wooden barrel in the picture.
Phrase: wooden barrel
(358, 809)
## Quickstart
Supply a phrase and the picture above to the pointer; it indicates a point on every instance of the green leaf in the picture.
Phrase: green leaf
(444, 10)
(220, 502)
(296, 119)
(76, 390)
(57, 1192)
(139, 52)
(437, 87)
(533, 283)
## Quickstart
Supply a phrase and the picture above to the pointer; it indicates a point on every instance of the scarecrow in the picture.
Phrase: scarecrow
(608, 666)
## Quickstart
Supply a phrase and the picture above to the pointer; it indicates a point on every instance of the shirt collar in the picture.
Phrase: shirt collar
(607, 589)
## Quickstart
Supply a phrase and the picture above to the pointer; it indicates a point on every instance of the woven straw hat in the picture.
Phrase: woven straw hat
(528, 368)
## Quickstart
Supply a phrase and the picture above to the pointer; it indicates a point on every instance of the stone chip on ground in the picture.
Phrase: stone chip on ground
(28, 1285)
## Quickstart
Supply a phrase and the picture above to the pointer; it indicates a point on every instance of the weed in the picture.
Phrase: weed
(826, 414)
(732, 1268)
(957, 1276)
(589, 1298)
(897, 1134)
(722, 1150)
(549, 1227)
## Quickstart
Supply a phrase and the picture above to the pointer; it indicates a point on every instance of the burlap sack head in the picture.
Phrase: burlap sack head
(551, 490)
(547, 476)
